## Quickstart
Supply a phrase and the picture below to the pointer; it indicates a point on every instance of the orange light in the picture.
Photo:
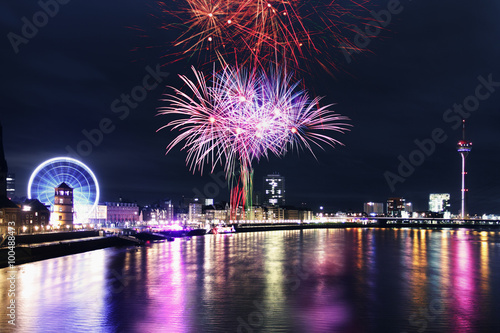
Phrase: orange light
(211, 119)
(210, 15)
(294, 130)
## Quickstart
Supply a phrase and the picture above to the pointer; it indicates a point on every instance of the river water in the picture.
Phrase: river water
(325, 280)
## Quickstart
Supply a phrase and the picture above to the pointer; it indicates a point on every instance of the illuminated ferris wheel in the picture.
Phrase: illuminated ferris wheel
(51, 173)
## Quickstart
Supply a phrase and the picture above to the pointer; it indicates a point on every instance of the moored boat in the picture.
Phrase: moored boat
(196, 232)
(223, 230)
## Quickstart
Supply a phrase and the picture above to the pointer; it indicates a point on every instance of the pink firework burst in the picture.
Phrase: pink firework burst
(242, 116)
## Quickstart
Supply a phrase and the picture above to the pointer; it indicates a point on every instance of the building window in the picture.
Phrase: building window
(60, 217)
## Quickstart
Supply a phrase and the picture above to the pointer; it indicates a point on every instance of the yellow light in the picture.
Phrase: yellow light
(210, 15)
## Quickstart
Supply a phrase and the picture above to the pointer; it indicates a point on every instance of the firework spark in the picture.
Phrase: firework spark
(243, 116)
(290, 32)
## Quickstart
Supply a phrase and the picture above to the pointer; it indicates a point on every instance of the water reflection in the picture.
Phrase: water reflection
(337, 280)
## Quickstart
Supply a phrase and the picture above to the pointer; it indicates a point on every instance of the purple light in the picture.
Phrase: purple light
(257, 114)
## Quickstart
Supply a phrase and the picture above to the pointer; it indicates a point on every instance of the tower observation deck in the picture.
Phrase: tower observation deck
(463, 148)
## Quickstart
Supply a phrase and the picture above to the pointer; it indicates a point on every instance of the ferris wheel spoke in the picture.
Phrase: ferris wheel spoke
(51, 173)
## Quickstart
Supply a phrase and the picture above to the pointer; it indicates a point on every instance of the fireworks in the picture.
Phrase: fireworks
(256, 32)
(243, 116)
(238, 116)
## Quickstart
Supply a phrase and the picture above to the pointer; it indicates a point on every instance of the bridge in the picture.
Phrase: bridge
(347, 221)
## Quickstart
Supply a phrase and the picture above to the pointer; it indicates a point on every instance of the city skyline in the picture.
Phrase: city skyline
(66, 86)
(273, 190)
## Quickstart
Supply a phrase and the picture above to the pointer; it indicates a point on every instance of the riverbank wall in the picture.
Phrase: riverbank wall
(25, 253)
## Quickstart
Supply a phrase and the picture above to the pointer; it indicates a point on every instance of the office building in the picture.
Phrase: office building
(274, 190)
(3, 167)
(439, 202)
(9, 211)
(122, 214)
(396, 206)
(11, 185)
(373, 208)
(195, 213)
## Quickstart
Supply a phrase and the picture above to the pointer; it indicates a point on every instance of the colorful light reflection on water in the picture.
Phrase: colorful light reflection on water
(338, 280)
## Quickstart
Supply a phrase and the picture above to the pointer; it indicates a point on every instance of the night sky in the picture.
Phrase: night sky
(65, 79)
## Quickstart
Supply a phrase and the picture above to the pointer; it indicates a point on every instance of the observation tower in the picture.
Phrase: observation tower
(464, 147)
